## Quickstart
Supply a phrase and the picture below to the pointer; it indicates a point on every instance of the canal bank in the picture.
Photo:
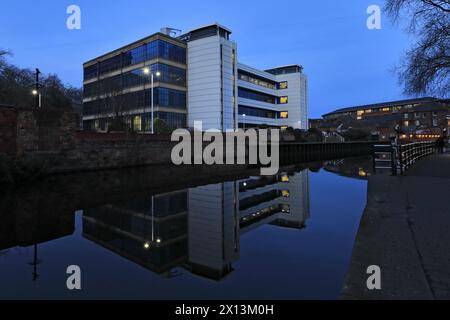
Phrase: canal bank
(404, 231)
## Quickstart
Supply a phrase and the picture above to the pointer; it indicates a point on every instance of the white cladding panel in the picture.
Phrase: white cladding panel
(211, 84)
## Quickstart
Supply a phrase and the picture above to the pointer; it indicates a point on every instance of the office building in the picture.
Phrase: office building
(196, 77)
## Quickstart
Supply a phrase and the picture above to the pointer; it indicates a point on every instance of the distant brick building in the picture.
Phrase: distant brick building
(423, 118)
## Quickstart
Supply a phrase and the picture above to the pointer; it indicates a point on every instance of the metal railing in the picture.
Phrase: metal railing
(399, 158)
(410, 153)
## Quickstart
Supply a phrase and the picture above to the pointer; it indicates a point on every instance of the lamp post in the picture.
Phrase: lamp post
(152, 112)
(147, 72)
(35, 92)
(244, 115)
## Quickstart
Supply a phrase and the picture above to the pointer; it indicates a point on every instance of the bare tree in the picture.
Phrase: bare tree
(426, 67)
(113, 102)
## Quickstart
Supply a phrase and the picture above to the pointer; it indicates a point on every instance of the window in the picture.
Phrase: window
(406, 123)
(417, 115)
(283, 85)
(285, 193)
(435, 123)
(284, 127)
(111, 64)
(368, 111)
(285, 178)
(257, 112)
(91, 72)
(406, 115)
(249, 94)
(417, 123)
(386, 109)
(284, 100)
(259, 81)
(134, 56)
(284, 115)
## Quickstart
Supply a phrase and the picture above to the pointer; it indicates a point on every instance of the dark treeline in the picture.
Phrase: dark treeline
(16, 85)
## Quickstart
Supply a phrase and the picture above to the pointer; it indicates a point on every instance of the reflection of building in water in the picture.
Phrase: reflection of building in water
(358, 168)
(281, 200)
(151, 231)
(199, 228)
(213, 230)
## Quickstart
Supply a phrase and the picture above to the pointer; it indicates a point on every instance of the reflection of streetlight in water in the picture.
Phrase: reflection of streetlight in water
(158, 240)
(35, 262)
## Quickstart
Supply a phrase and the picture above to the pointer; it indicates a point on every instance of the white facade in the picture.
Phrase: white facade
(214, 83)
(211, 83)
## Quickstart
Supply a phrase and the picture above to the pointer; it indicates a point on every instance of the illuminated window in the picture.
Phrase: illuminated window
(284, 114)
(137, 123)
(406, 115)
(284, 127)
(285, 193)
(285, 178)
(283, 85)
(406, 123)
(359, 118)
(386, 109)
(284, 100)
(360, 112)
(368, 111)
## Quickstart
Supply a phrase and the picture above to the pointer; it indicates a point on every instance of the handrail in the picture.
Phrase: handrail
(402, 156)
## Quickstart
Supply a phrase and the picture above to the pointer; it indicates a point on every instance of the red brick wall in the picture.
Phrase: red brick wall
(8, 129)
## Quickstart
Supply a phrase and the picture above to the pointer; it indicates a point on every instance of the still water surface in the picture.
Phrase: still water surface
(288, 236)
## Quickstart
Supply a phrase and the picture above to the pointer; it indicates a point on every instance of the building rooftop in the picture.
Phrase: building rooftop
(211, 25)
(383, 104)
(290, 68)
(133, 44)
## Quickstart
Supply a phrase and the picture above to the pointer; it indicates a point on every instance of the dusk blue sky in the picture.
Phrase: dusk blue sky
(346, 63)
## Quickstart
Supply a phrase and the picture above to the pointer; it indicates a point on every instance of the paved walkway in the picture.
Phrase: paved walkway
(405, 230)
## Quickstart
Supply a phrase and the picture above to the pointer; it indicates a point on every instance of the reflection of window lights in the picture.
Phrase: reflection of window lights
(285, 193)
(284, 114)
(284, 100)
(283, 85)
(285, 178)
(362, 173)
(137, 123)
(285, 208)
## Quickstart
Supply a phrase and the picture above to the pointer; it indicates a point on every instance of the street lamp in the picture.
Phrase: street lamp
(244, 115)
(37, 94)
(151, 76)
(147, 71)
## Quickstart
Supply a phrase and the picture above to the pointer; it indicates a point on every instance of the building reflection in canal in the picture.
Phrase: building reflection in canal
(198, 229)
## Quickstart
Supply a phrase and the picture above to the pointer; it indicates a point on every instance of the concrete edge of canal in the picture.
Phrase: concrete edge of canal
(404, 231)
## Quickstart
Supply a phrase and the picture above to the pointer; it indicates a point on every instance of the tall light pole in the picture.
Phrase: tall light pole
(244, 115)
(152, 112)
(147, 71)
(35, 92)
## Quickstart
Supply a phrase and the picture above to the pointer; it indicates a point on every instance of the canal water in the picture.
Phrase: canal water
(288, 236)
